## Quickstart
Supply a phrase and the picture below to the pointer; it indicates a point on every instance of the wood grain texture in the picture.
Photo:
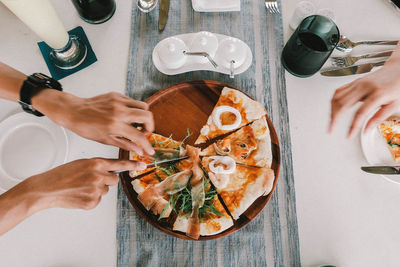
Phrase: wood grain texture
(187, 106)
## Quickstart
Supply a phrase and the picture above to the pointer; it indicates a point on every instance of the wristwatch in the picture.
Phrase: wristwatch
(31, 86)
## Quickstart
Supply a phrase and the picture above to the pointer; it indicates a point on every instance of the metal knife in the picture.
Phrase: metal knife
(150, 165)
(358, 69)
(388, 170)
(163, 16)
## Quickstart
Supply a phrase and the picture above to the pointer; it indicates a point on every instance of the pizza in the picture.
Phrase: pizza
(233, 110)
(165, 147)
(213, 219)
(205, 194)
(390, 130)
(238, 185)
(251, 145)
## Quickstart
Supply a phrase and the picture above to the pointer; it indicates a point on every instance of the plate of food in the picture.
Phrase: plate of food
(381, 145)
(232, 165)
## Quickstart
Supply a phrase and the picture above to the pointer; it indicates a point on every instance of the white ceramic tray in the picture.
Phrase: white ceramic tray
(193, 63)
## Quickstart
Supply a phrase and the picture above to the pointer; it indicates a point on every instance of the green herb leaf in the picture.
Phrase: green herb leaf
(165, 209)
(158, 177)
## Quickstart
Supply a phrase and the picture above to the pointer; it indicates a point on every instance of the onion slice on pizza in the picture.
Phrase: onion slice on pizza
(233, 110)
(240, 187)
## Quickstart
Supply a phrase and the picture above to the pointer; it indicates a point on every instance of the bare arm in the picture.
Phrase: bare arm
(76, 185)
(379, 91)
(105, 118)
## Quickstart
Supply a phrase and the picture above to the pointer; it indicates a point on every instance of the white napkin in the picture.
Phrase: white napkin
(216, 5)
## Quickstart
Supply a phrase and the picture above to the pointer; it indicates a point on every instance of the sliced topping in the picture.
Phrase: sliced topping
(222, 147)
(171, 185)
(222, 165)
(205, 130)
(220, 181)
(220, 115)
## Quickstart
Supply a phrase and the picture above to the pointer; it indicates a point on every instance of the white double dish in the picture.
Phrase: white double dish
(29, 145)
(170, 55)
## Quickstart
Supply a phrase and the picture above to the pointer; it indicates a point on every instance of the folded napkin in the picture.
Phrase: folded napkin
(216, 5)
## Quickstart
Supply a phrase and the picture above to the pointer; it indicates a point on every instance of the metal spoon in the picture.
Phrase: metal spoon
(202, 54)
(346, 45)
(232, 69)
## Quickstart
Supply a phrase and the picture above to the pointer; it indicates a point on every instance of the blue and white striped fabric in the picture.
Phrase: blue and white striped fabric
(272, 238)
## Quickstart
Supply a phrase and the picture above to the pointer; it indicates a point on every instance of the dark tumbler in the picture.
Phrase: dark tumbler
(310, 46)
(95, 11)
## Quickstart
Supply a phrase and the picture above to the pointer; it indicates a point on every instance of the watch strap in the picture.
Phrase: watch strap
(31, 86)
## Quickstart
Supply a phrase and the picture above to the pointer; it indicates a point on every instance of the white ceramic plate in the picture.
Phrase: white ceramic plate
(376, 151)
(29, 145)
(193, 65)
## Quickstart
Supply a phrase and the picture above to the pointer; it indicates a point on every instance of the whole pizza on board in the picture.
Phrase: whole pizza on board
(210, 189)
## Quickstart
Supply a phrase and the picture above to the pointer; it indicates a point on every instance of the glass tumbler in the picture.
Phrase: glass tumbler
(310, 46)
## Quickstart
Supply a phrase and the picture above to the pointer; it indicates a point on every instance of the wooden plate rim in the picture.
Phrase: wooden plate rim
(125, 178)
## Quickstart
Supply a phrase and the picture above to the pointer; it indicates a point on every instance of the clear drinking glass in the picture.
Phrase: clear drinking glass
(146, 5)
(40, 16)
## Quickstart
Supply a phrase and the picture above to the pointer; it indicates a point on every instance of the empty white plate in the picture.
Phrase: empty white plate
(29, 145)
(376, 151)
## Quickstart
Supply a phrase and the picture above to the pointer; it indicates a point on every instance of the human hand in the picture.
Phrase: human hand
(79, 184)
(379, 91)
(105, 118)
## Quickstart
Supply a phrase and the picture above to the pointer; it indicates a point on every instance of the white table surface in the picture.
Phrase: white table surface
(346, 217)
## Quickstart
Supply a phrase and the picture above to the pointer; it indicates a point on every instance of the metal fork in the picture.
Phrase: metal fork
(272, 6)
(349, 61)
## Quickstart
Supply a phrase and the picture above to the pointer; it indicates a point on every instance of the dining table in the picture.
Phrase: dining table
(325, 210)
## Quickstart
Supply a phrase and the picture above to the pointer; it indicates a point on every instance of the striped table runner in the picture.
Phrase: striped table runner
(272, 238)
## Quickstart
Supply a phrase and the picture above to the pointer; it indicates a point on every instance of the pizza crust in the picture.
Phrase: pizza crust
(250, 110)
(181, 224)
(245, 185)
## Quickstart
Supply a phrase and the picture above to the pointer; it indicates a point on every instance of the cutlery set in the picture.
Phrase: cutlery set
(345, 65)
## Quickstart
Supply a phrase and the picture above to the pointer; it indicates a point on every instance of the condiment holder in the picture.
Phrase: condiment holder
(197, 51)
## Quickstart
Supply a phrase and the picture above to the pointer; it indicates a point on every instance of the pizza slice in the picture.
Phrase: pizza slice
(140, 185)
(390, 130)
(251, 145)
(238, 185)
(165, 148)
(213, 218)
(233, 110)
(156, 189)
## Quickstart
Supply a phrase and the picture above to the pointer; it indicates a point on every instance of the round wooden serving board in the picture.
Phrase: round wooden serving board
(187, 106)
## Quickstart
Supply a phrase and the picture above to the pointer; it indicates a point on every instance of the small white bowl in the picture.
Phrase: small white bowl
(231, 49)
(171, 53)
(204, 42)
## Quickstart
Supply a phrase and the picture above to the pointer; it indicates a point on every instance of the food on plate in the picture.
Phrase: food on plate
(390, 130)
(154, 196)
(212, 215)
(203, 194)
(251, 145)
(243, 186)
(233, 110)
(165, 148)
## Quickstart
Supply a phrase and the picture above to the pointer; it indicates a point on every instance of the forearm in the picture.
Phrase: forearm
(17, 204)
(10, 82)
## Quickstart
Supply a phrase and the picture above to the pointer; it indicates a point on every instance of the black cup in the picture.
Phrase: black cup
(310, 46)
(95, 11)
